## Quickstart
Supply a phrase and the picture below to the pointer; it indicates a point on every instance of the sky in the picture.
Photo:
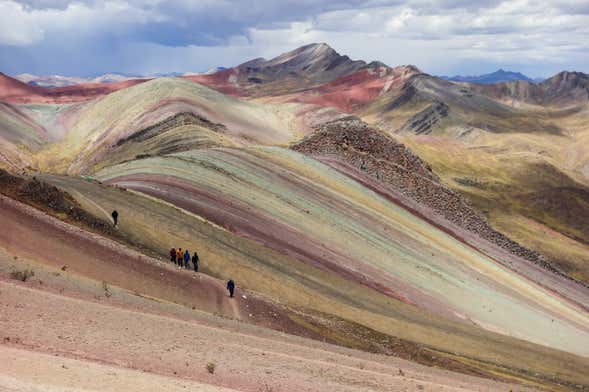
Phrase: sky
(441, 37)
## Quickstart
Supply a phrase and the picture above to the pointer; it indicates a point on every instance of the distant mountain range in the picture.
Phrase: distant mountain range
(65, 81)
(321, 51)
(498, 76)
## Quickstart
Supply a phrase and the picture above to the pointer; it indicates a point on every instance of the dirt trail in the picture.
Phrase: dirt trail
(103, 212)
(246, 360)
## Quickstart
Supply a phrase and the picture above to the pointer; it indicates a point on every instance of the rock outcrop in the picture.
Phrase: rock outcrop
(395, 166)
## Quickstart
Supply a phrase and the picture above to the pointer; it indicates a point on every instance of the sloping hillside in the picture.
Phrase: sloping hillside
(562, 90)
(351, 142)
(83, 306)
(19, 137)
(105, 124)
(299, 207)
(425, 105)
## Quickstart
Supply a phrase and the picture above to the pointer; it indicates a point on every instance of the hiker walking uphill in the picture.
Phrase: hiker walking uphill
(115, 217)
(231, 287)
(195, 262)
(182, 258)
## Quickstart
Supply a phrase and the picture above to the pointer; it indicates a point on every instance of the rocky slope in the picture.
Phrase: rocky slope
(378, 155)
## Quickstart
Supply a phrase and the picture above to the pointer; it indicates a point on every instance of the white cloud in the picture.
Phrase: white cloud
(24, 25)
(437, 35)
(18, 27)
(528, 34)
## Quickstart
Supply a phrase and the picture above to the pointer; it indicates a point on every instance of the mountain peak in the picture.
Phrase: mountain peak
(317, 45)
(498, 76)
(313, 64)
(306, 54)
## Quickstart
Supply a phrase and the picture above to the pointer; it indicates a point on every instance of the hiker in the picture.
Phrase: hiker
(195, 262)
(186, 258)
(231, 287)
(115, 217)
(179, 255)
(173, 255)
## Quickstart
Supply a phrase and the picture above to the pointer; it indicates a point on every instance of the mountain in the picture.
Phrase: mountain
(305, 67)
(373, 211)
(564, 89)
(516, 150)
(166, 74)
(49, 81)
(316, 62)
(64, 81)
(165, 104)
(494, 77)
(114, 78)
(15, 91)
(214, 69)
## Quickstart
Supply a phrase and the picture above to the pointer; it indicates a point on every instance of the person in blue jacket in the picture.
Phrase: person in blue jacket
(231, 287)
(186, 258)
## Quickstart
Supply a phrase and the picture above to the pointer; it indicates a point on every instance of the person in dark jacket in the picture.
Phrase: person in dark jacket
(173, 255)
(195, 261)
(115, 217)
(231, 287)
(186, 258)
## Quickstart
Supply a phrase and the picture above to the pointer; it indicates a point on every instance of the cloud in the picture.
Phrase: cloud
(439, 36)
(24, 25)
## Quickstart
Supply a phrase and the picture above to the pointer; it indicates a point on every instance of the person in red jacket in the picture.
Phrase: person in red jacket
(173, 255)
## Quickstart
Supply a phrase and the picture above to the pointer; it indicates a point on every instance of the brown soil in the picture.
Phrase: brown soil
(76, 332)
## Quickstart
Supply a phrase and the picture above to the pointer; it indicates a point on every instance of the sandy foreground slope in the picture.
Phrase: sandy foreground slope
(108, 346)
(25, 370)
(89, 334)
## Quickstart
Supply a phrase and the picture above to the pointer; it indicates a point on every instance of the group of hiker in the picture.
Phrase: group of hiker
(183, 258)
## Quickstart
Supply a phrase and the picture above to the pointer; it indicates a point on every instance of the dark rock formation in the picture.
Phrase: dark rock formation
(423, 122)
(395, 166)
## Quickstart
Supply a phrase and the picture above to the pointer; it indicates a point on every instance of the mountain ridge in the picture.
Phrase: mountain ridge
(490, 78)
